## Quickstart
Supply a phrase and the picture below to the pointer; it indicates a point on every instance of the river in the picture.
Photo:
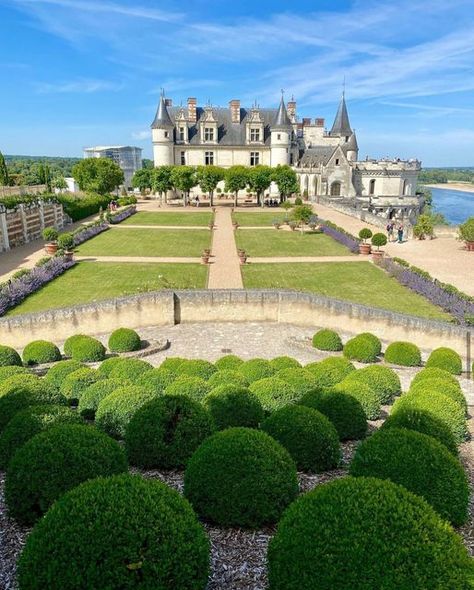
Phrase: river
(456, 206)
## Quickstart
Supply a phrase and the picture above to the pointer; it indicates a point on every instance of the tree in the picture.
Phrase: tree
(208, 177)
(142, 179)
(424, 227)
(286, 180)
(59, 182)
(148, 164)
(161, 180)
(184, 179)
(260, 178)
(236, 179)
(302, 214)
(99, 175)
(4, 179)
(44, 176)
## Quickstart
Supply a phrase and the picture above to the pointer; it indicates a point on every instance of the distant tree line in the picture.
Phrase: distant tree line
(31, 170)
(443, 175)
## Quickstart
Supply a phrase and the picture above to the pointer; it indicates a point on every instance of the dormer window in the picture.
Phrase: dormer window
(208, 134)
(181, 134)
(254, 135)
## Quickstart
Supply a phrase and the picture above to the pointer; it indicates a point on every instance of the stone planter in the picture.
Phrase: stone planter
(69, 255)
(51, 248)
(365, 249)
(377, 256)
(470, 246)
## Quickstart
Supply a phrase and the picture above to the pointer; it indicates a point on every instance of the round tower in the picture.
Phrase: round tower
(280, 137)
(352, 148)
(162, 130)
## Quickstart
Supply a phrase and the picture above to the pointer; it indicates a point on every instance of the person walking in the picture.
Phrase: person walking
(400, 234)
(196, 200)
(389, 229)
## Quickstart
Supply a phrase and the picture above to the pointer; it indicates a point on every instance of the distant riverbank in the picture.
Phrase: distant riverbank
(456, 205)
(455, 186)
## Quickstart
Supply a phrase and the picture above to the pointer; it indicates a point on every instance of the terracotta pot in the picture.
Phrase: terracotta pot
(204, 259)
(51, 248)
(365, 248)
(470, 246)
(377, 256)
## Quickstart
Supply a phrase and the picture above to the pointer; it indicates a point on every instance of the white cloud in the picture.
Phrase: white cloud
(80, 86)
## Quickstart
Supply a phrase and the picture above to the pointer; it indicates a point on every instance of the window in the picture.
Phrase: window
(254, 158)
(291, 159)
(209, 158)
(183, 158)
(372, 187)
(278, 135)
(405, 188)
(336, 189)
(181, 134)
(208, 134)
(166, 134)
(337, 161)
(254, 134)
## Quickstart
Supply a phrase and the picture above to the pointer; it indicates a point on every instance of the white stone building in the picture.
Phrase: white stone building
(326, 162)
(129, 158)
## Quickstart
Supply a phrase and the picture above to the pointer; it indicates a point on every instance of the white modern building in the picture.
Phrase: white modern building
(129, 158)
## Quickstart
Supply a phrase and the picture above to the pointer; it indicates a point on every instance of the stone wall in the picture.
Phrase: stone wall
(163, 308)
(13, 191)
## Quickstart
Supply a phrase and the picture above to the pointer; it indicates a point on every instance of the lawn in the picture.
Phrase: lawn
(93, 281)
(201, 218)
(264, 218)
(361, 282)
(274, 242)
(147, 242)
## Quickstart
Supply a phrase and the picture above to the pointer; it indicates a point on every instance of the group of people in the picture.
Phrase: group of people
(391, 232)
(271, 203)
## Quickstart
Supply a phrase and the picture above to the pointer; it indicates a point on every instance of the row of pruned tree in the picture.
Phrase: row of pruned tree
(257, 179)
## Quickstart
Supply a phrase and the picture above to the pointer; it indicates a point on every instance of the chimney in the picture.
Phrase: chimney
(234, 106)
(291, 110)
(169, 102)
(319, 122)
(306, 121)
(192, 115)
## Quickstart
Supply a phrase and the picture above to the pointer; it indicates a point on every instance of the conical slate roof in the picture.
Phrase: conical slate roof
(282, 121)
(341, 125)
(352, 143)
(162, 117)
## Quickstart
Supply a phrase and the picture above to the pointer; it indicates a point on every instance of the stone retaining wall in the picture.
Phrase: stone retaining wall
(162, 308)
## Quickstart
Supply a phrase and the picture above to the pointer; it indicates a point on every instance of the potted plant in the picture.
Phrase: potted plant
(276, 223)
(50, 235)
(206, 252)
(240, 252)
(466, 233)
(423, 227)
(66, 243)
(286, 205)
(378, 240)
(365, 234)
(292, 225)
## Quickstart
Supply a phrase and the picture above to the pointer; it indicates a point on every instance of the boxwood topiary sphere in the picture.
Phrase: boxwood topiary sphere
(365, 534)
(301, 380)
(77, 382)
(256, 369)
(55, 461)
(240, 477)
(230, 362)
(364, 348)
(9, 356)
(447, 359)
(194, 387)
(438, 405)
(284, 362)
(233, 405)
(327, 340)
(441, 386)
(124, 340)
(434, 373)
(365, 395)
(88, 349)
(307, 435)
(94, 394)
(156, 380)
(423, 422)
(106, 366)
(343, 410)
(129, 369)
(383, 380)
(274, 393)
(421, 464)
(157, 541)
(115, 411)
(227, 377)
(166, 431)
(330, 371)
(404, 354)
(41, 351)
(71, 342)
(58, 372)
(9, 371)
(172, 363)
(196, 368)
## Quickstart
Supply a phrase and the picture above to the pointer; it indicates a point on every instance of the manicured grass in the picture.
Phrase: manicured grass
(361, 282)
(274, 242)
(95, 281)
(147, 242)
(264, 218)
(201, 218)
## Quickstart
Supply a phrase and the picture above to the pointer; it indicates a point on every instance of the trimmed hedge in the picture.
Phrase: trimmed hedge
(365, 534)
(233, 405)
(365, 395)
(54, 462)
(309, 437)
(71, 342)
(330, 371)
(94, 394)
(77, 382)
(274, 393)
(230, 362)
(9, 356)
(383, 380)
(447, 359)
(404, 354)
(88, 204)
(9, 371)
(421, 464)
(364, 348)
(129, 369)
(156, 380)
(256, 369)
(124, 340)
(58, 372)
(166, 431)
(441, 386)
(327, 340)
(172, 363)
(227, 377)
(301, 380)
(240, 477)
(343, 410)
(88, 350)
(156, 542)
(25, 424)
(284, 362)
(196, 368)
(110, 363)
(41, 351)
(434, 373)
(194, 387)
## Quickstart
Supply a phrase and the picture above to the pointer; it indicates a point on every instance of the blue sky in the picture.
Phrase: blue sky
(85, 72)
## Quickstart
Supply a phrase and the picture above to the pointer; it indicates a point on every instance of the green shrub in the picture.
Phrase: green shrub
(172, 363)
(447, 359)
(438, 405)
(9, 371)
(124, 340)
(434, 373)
(156, 380)
(115, 411)
(194, 387)
(234, 405)
(365, 534)
(130, 369)
(404, 354)
(227, 377)
(274, 393)
(87, 205)
(307, 435)
(383, 380)
(422, 421)
(94, 394)
(25, 424)
(365, 233)
(301, 380)
(364, 348)
(441, 386)
(41, 351)
(256, 369)
(71, 342)
(230, 362)
(240, 477)
(196, 368)
(166, 431)
(365, 395)
(379, 240)
(9, 356)
(50, 234)
(74, 385)
(343, 410)
(330, 371)
(284, 362)
(58, 372)
(55, 461)
(88, 349)
(421, 464)
(110, 363)
(66, 241)
(327, 340)
(157, 540)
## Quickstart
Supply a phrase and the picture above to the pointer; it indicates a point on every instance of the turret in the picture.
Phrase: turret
(341, 126)
(162, 135)
(280, 131)
(352, 149)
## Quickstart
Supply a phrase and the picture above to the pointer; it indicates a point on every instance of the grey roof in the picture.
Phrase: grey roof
(162, 117)
(316, 156)
(341, 125)
(352, 143)
(282, 121)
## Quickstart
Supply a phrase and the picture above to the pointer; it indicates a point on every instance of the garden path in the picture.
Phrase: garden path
(224, 272)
